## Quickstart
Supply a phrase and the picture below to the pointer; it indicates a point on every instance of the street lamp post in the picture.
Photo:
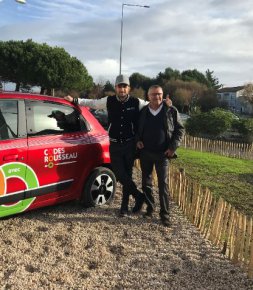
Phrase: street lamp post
(121, 31)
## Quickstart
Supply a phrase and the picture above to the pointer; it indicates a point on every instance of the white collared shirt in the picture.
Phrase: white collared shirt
(155, 112)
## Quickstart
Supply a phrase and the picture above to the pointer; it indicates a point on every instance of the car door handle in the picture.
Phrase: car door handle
(13, 157)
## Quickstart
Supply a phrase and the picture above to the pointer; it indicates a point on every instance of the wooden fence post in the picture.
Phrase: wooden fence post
(250, 267)
(218, 221)
(229, 149)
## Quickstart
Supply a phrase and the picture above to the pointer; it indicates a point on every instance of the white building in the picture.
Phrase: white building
(234, 99)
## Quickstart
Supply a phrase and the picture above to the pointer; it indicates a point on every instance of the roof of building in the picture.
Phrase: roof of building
(230, 89)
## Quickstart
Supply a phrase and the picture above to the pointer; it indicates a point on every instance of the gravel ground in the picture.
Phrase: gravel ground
(68, 247)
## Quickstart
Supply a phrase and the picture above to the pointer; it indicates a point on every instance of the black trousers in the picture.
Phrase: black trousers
(148, 160)
(122, 160)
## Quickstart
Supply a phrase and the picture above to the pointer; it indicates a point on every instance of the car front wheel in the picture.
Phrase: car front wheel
(100, 187)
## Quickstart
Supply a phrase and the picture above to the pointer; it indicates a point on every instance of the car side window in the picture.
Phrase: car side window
(8, 119)
(51, 118)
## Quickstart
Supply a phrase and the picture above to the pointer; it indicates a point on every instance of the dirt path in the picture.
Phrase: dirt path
(68, 247)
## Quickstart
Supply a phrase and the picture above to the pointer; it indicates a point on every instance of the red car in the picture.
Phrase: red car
(51, 151)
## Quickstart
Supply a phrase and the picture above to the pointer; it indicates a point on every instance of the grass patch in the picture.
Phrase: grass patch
(227, 177)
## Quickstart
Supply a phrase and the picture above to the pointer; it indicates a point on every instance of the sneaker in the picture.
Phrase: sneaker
(123, 213)
(138, 204)
(148, 215)
(166, 223)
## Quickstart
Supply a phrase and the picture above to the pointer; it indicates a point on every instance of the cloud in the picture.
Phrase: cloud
(184, 34)
(107, 68)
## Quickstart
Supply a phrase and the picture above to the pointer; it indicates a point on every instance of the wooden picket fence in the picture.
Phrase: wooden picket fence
(229, 149)
(217, 220)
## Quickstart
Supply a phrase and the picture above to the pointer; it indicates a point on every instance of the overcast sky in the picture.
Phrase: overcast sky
(181, 34)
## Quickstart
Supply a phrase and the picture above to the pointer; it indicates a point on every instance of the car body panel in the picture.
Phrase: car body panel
(40, 167)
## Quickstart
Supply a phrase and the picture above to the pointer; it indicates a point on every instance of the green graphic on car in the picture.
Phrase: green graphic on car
(24, 173)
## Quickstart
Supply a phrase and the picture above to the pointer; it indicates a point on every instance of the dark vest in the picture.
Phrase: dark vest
(154, 132)
(122, 118)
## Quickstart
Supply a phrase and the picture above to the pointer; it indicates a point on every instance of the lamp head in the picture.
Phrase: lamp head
(21, 1)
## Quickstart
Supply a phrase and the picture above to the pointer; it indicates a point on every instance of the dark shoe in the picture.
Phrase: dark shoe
(148, 215)
(166, 223)
(123, 213)
(138, 203)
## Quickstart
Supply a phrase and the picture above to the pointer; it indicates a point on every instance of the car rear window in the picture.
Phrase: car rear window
(8, 119)
(51, 118)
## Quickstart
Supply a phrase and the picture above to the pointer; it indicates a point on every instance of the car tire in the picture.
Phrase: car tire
(99, 188)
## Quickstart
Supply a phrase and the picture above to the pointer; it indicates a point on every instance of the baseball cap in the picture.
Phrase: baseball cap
(122, 79)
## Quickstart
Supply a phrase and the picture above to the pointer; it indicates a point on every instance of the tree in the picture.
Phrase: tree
(138, 93)
(77, 76)
(138, 80)
(248, 92)
(11, 61)
(108, 87)
(212, 81)
(167, 75)
(191, 90)
(57, 69)
(208, 100)
(182, 99)
(194, 75)
(30, 63)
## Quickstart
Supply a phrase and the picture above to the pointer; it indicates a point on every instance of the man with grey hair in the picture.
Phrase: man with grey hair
(159, 134)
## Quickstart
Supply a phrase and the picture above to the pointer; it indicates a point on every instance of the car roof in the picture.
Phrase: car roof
(31, 96)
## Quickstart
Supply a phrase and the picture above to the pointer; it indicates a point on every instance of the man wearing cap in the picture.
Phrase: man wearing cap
(123, 111)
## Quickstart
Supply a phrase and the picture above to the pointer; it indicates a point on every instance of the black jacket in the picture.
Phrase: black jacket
(122, 118)
(172, 124)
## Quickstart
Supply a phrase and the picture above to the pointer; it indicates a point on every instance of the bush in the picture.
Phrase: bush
(245, 127)
(212, 123)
